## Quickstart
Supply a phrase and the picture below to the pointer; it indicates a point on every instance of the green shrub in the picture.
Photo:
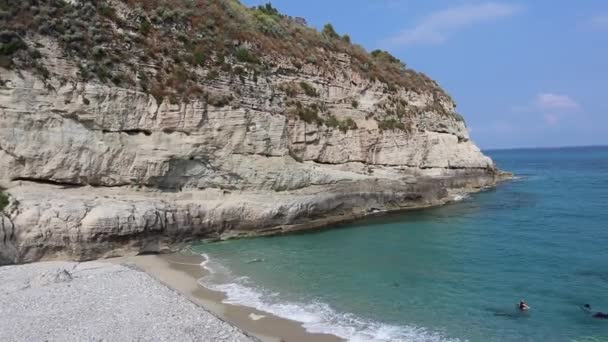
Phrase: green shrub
(145, 27)
(268, 24)
(199, 57)
(289, 88)
(10, 42)
(268, 20)
(3, 200)
(332, 122)
(385, 55)
(219, 100)
(308, 89)
(342, 125)
(98, 52)
(347, 125)
(328, 30)
(355, 104)
(309, 114)
(117, 78)
(268, 9)
(107, 11)
(245, 56)
(390, 124)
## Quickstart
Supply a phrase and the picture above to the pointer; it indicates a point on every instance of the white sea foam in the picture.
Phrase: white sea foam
(460, 197)
(316, 317)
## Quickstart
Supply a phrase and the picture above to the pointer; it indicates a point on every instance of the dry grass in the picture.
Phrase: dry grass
(181, 36)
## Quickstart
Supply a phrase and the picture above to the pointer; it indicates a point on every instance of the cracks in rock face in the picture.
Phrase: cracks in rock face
(65, 184)
(78, 226)
(321, 162)
(134, 131)
(17, 158)
(146, 132)
(161, 222)
(68, 184)
(92, 126)
(173, 130)
(5, 235)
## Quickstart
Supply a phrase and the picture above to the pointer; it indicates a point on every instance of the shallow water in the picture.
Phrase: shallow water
(450, 273)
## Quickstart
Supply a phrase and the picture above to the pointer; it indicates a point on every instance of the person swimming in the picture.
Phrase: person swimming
(598, 314)
(523, 306)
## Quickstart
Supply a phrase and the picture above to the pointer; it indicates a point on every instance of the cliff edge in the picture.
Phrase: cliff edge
(128, 126)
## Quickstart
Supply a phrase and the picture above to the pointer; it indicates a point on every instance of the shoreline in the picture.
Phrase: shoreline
(180, 272)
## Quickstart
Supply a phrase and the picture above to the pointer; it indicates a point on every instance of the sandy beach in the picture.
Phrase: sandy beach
(181, 272)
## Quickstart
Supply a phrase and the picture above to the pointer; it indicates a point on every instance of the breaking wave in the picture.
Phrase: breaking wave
(316, 317)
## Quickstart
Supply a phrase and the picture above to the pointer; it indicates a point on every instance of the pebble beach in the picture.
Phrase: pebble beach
(100, 301)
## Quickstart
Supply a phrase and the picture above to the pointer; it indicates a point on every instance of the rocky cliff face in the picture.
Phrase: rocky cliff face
(97, 169)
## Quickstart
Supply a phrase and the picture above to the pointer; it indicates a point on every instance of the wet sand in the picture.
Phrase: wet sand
(181, 272)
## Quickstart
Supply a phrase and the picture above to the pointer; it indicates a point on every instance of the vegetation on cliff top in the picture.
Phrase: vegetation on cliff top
(171, 48)
(189, 32)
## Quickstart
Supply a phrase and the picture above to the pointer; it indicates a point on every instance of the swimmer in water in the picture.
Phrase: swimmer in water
(598, 315)
(523, 306)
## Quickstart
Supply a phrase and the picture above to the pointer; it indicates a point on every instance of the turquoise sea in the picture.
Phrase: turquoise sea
(449, 273)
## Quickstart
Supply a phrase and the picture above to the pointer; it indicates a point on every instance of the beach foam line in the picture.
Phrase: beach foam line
(316, 317)
(205, 262)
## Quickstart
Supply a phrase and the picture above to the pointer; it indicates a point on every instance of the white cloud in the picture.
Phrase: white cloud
(438, 26)
(555, 106)
(599, 22)
(552, 119)
(552, 107)
(549, 101)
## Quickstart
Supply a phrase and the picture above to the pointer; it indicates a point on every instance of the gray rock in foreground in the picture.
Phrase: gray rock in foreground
(65, 301)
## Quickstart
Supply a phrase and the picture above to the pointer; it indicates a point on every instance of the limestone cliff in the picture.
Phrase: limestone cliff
(248, 141)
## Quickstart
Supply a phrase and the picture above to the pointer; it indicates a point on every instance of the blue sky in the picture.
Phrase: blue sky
(523, 74)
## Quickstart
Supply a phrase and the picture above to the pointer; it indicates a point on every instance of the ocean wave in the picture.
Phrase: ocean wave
(316, 317)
